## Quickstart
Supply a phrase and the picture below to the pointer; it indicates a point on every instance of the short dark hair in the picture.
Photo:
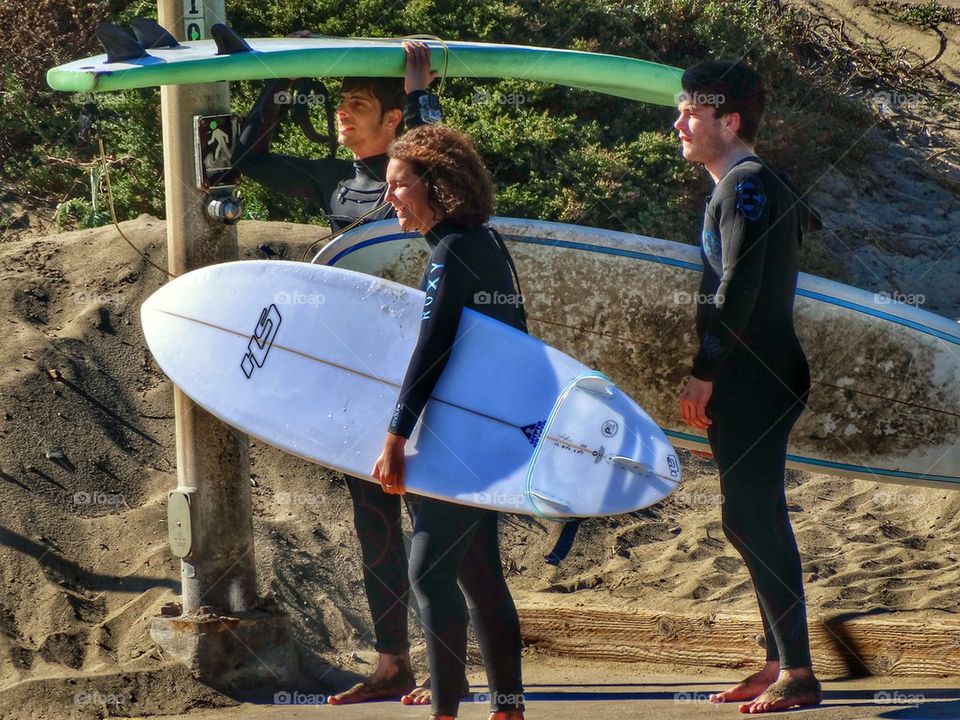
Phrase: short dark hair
(389, 92)
(729, 87)
(458, 183)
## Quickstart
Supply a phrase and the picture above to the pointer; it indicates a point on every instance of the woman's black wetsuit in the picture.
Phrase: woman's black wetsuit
(345, 191)
(451, 542)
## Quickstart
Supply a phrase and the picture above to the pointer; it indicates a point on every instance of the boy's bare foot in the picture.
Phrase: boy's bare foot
(392, 679)
(794, 688)
(752, 687)
(423, 695)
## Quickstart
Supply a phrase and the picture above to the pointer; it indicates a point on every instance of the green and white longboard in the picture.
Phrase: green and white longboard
(152, 58)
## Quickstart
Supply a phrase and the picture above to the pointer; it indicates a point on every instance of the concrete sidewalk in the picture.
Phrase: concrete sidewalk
(560, 690)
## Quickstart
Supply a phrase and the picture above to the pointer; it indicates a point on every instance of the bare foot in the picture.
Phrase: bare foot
(794, 688)
(420, 695)
(423, 695)
(752, 687)
(392, 679)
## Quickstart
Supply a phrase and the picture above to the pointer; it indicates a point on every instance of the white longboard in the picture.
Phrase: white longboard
(310, 359)
(885, 402)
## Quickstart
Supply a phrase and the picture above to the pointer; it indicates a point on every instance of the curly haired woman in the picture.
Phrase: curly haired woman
(439, 186)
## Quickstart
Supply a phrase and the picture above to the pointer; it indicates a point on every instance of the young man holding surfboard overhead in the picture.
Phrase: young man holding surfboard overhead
(371, 113)
(438, 185)
(750, 378)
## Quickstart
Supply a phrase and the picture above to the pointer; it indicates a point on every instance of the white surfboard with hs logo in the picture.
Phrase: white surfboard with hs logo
(310, 359)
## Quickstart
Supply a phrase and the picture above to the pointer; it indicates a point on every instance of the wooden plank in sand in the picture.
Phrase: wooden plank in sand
(842, 647)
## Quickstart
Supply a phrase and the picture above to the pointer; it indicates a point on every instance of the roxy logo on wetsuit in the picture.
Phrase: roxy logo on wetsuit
(433, 282)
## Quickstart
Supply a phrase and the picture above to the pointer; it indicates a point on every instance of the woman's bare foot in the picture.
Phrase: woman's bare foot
(423, 695)
(393, 678)
(420, 695)
(752, 687)
(793, 688)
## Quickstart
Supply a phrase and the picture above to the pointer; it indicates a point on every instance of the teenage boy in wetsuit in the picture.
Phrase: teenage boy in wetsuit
(750, 377)
(371, 113)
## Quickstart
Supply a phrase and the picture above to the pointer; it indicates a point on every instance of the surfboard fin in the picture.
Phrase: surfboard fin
(596, 384)
(550, 499)
(228, 42)
(632, 465)
(119, 43)
(152, 34)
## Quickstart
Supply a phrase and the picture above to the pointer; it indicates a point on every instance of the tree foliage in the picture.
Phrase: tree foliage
(555, 153)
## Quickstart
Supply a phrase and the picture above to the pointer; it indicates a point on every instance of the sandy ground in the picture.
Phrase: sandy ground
(895, 225)
(563, 691)
(879, 22)
(86, 462)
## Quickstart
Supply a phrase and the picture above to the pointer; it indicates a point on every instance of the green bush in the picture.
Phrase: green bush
(555, 153)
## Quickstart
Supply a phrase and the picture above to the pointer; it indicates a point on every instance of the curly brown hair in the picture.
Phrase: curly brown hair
(458, 184)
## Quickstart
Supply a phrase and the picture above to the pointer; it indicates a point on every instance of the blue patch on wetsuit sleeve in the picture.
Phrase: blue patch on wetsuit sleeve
(751, 199)
(712, 346)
